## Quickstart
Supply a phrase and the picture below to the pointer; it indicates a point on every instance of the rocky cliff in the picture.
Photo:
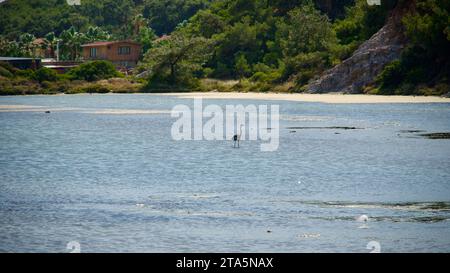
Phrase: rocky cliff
(361, 69)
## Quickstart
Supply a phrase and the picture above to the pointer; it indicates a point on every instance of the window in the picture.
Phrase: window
(93, 52)
(124, 50)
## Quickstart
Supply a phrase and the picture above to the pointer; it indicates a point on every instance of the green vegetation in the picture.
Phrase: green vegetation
(307, 44)
(117, 17)
(94, 71)
(173, 62)
(165, 15)
(45, 74)
(6, 70)
(69, 40)
(244, 45)
(424, 67)
(273, 42)
(39, 17)
(92, 77)
(93, 88)
(361, 22)
(21, 21)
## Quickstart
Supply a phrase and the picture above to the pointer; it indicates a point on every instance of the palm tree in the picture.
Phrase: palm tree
(72, 41)
(95, 33)
(26, 43)
(10, 48)
(139, 22)
(50, 42)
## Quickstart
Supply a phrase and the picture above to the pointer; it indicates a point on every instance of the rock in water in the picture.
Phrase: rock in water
(363, 218)
(366, 63)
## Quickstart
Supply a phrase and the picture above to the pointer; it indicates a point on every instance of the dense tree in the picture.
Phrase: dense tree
(165, 15)
(26, 42)
(306, 38)
(268, 41)
(146, 37)
(51, 43)
(265, 33)
(306, 30)
(362, 21)
(71, 43)
(40, 17)
(45, 74)
(37, 17)
(95, 33)
(173, 61)
(10, 48)
(425, 62)
(93, 71)
(242, 68)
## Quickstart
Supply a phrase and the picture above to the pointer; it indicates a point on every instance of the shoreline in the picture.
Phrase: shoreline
(328, 98)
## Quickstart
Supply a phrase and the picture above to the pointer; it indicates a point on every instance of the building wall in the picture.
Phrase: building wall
(102, 53)
(111, 53)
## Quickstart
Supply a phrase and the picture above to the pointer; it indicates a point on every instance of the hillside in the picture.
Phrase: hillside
(268, 43)
(280, 45)
(368, 61)
(39, 17)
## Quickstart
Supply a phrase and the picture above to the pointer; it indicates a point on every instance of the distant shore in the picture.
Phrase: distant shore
(323, 98)
(330, 98)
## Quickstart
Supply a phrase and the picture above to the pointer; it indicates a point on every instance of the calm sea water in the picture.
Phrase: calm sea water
(115, 181)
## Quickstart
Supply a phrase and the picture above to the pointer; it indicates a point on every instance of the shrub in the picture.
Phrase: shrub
(242, 86)
(217, 85)
(391, 76)
(121, 85)
(260, 87)
(185, 84)
(259, 77)
(5, 72)
(55, 87)
(45, 74)
(242, 68)
(443, 89)
(93, 71)
(266, 77)
(305, 66)
(207, 72)
(7, 66)
(222, 71)
(18, 86)
(94, 88)
(303, 77)
(27, 73)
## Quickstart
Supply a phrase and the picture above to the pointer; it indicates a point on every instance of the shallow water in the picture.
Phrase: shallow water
(103, 170)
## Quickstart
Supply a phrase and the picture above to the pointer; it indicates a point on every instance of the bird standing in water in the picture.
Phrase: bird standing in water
(237, 138)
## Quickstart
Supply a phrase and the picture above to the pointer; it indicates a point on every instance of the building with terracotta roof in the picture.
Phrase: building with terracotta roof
(162, 38)
(124, 54)
(42, 50)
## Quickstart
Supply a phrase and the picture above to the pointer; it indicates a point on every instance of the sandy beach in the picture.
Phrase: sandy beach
(322, 98)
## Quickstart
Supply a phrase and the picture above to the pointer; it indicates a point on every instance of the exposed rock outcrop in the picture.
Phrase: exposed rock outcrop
(361, 69)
